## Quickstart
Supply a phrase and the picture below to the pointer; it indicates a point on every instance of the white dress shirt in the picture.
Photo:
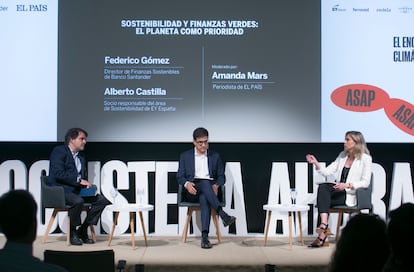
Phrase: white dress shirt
(201, 165)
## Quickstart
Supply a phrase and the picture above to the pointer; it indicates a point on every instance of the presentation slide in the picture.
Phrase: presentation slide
(294, 71)
(248, 71)
(367, 69)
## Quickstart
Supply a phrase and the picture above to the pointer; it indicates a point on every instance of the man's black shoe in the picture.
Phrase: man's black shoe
(74, 239)
(83, 235)
(228, 220)
(205, 243)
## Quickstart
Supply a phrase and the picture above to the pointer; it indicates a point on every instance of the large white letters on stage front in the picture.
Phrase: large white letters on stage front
(116, 175)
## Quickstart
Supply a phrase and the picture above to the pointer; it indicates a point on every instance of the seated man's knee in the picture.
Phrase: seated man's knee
(205, 185)
(101, 200)
(79, 201)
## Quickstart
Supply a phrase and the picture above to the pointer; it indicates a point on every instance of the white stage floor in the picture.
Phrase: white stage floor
(232, 254)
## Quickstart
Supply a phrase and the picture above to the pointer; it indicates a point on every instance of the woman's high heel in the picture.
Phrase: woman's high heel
(326, 230)
(319, 242)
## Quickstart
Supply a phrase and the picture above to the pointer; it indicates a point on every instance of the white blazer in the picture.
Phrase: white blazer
(359, 174)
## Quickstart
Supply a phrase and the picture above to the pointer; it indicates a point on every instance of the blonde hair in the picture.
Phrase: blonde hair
(360, 144)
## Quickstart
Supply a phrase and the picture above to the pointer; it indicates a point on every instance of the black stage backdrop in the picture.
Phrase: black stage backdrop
(256, 161)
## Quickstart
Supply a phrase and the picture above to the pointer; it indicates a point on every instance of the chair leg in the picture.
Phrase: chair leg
(93, 232)
(113, 227)
(190, 211)
(216, 223)
(338, 226)
(187, 223)
(49, 226)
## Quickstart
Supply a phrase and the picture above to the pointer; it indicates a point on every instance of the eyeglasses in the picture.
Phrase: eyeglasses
(202, 142)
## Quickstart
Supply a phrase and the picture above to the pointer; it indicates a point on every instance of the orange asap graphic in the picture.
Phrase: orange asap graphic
(366, 98)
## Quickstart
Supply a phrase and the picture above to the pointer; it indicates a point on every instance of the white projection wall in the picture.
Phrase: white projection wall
(28, 70)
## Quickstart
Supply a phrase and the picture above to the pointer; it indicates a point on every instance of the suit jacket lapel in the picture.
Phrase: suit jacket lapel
(192, 163)
(210, 164)
(70, 155)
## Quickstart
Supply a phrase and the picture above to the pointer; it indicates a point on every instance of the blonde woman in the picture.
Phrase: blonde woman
(351, 170)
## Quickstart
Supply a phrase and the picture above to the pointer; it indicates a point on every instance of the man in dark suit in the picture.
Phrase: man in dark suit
(201, 172)
(68, 169)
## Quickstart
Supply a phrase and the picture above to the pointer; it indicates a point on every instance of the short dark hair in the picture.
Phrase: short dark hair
(18, 211)
(73, 133)
(200, 132)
